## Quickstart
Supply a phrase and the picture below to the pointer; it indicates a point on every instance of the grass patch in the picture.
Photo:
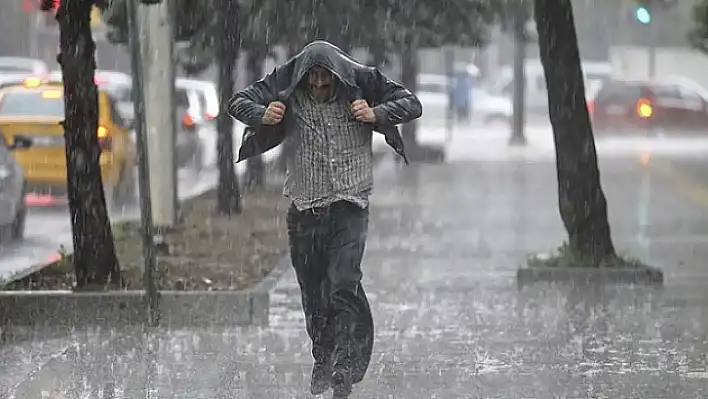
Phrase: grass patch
(205, 251)
(564, 257)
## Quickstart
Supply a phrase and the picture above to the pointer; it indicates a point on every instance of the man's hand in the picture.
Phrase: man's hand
(362, 112)
(274, 113)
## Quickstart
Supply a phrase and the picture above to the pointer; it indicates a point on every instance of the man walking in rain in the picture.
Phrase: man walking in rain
(324, 107)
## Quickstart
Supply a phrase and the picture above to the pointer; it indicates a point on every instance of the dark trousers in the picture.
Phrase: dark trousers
(326, 248)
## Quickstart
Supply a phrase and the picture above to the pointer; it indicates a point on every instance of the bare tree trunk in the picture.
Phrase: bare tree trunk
(228, 192)
(518, 119)
(95, 261)
(409, 79)
(582, 203)
(254, 165)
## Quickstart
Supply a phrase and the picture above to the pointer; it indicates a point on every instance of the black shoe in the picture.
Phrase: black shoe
(341, 384)
(321, 378)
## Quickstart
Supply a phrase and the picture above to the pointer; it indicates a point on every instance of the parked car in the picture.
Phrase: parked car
(189, 148)
(536, 98)
(23, 65)
(666, 106)
(13, 208)
(204, 99)
(35, 109)
(13, 78)
(491, 109)
(433, 91)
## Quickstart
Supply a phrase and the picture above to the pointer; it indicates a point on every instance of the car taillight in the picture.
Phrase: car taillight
(591, 107)
(209, 117)
(644, 108)
(104, 140)
(188, 124)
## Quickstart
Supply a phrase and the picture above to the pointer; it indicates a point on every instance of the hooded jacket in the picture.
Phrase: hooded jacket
(392, 103)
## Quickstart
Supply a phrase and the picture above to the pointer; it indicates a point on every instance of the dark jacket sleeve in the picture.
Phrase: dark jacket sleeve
(394, 103)
(249, 104)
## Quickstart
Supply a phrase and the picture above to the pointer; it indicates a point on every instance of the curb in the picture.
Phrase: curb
(55, 313)
(651, 276)
(260, 294)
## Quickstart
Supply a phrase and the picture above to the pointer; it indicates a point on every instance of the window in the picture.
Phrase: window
(14, 69)
(31, 103)
(689, 95)
(181, 98)
(618, 94)
(691, 99)
(115, 114)
(666, 92)
(120, 93)
(202, 100)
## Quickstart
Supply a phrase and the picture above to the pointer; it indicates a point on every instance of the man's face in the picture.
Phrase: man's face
(320, 81)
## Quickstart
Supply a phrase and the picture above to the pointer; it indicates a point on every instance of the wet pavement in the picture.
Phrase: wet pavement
(444, 245)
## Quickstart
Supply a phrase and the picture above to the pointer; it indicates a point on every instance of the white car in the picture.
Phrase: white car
(433, 93)
(491, 109)
(203, 96)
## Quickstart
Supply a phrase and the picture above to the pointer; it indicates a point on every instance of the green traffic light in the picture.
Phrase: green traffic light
(643, 15)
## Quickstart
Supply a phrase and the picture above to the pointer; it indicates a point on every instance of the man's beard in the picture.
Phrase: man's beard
(321, 93)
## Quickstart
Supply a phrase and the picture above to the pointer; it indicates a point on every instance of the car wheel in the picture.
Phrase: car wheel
(17, 228)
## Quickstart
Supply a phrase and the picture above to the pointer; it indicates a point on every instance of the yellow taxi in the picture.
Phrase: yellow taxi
(34, 109)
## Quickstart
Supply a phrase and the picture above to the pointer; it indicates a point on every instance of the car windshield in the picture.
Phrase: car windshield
(32, 103)
(14, 69)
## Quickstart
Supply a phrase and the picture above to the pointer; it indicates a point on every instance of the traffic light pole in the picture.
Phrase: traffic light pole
(651, 52)
(651, 48)
(143, 172)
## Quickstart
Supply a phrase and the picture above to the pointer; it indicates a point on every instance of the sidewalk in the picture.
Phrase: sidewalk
(442, 253)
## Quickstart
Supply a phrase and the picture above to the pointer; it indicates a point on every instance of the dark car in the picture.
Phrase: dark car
(13, 208)
(650, 108)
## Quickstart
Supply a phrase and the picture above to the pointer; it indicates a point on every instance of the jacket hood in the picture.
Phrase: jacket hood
(327, 55)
